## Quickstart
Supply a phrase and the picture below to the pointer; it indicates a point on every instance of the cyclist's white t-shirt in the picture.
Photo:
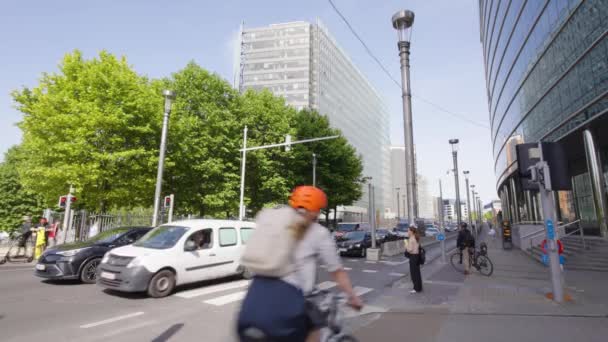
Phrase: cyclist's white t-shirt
(317, 244)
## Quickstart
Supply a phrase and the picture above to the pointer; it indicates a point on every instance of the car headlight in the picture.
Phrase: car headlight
(358, 245)
(134, 263)
(105, 258)
(71, 252)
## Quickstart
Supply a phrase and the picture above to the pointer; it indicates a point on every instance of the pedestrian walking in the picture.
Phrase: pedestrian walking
(465, 243)
(40, 238)
(51, 233)
(413, 249)
(26, 233)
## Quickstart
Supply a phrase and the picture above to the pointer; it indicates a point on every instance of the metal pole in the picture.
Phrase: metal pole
(67, 215)
(398, 207)
(594, 166)
(443, 257)
(374, 217)
(458, 211)
(243, 163)
(161, 158)
(410, 175)
(466, 179)
(314, 169)
(546, 199)
(171, 208)
(369, 205)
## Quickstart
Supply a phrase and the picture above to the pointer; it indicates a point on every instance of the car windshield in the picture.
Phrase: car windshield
(347, 227)
(162, 237)
(108, 236)
(355, 235)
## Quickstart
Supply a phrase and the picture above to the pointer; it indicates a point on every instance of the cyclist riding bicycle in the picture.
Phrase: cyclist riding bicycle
(26, 233)
(275, 308)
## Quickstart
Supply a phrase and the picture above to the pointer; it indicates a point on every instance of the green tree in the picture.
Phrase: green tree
(16, 201)
(94, 124)
(339, 167)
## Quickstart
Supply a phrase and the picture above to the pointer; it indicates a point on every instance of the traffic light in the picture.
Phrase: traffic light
(167, 201)
(63, 200)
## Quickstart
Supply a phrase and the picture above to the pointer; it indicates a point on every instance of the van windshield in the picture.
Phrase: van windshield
(162, 237)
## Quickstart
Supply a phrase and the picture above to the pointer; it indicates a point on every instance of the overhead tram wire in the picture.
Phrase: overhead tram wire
(385, 70)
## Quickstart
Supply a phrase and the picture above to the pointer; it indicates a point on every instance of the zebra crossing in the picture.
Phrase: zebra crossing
(233, 292)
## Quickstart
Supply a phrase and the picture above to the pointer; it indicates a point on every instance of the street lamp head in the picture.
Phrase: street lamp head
(402, 22)
(454, 143)
(169, 94)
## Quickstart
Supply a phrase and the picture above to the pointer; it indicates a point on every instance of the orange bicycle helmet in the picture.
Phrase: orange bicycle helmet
(308, 197)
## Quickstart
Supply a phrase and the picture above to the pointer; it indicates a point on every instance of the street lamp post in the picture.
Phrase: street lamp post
(472, 186)
(402, 22)
(454, 144)
(466, 179)
(314, 169)
(169, 96)
(398, 207)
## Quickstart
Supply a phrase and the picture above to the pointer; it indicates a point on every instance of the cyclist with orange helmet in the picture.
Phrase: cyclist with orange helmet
(277, 306)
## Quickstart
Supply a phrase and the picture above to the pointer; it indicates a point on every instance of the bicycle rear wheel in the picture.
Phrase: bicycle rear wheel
(484, 265)
(457, 262)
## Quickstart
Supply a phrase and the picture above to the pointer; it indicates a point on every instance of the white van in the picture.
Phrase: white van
(174, 254)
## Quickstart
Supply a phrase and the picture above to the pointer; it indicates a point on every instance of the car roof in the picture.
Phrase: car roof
(197, 223)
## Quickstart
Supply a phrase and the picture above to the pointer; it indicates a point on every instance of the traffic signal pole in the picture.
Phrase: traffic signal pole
(67, 215)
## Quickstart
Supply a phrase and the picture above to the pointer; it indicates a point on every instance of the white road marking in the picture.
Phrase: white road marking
(395, 274)
(326, 285)
(323, 266)
(348, 269)
(370, 262)
(353, 260)
(212, 289)
(127, 328)
(17, 269)
(395, 263)
(360, 291)
(223, 300)
(369, 271)
(111, 320)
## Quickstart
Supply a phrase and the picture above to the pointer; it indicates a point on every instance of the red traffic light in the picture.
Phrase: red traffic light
(167, 201)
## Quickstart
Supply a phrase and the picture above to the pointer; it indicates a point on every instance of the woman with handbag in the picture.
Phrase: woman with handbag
(413, 250)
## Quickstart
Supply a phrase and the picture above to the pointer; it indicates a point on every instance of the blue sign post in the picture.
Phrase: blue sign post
(550, 229)
(440, 237)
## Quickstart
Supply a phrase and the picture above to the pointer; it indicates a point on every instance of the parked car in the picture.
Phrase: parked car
(355, 243)
(402, 231)
(431, 230)
(345, 227)
(80, 260)
(175, 254)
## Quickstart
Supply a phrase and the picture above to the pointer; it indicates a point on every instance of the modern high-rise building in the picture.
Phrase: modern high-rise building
(303, 63)
(425, 199)
(546, 65)
(449, 210)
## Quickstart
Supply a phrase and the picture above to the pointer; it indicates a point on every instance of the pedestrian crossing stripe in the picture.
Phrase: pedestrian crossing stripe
(223, 300)
(212, 289)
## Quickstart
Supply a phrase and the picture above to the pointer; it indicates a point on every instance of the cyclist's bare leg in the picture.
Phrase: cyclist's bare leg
(314, 336)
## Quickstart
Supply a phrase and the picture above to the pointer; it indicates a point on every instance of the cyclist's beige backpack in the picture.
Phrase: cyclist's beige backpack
(270, 248)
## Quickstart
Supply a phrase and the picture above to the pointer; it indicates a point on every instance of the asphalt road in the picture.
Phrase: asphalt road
(32, 309)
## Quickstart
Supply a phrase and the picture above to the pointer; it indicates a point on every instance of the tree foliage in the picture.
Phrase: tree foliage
(16, 201)
(94, 124)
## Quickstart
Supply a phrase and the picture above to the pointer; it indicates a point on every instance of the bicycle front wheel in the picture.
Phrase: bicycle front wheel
(347, 338)
(484, 265)
(457, 262)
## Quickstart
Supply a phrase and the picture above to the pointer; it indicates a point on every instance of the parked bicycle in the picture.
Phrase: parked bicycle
(21, 249)
(478, 259)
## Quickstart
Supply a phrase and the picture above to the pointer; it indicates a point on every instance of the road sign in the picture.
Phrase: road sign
(545, 259)
(550, 229)
(440, 237)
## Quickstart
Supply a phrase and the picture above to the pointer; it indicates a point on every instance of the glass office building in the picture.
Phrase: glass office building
(546, 64)
(303, 63)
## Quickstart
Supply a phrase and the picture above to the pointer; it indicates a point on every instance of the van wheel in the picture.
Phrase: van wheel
(162, 284)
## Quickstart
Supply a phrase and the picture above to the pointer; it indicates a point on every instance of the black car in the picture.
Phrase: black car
(79, 260)
(355, 243)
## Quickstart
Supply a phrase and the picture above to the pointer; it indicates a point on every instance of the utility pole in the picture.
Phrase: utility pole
(398, 208)
(443, 257)
(314, 169)
(469, 213)
(243, 163)
(454, 144)
(67, 215)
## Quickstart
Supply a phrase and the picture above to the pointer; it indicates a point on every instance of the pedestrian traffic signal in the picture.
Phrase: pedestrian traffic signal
(63, 200)
(167, 201)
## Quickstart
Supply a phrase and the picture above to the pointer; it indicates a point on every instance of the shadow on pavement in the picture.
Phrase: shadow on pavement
(169, 333)
(60, 282)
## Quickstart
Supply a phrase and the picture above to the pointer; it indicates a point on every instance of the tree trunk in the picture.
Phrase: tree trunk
(335, 217)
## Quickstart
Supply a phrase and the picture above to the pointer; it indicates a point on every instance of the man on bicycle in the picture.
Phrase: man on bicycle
(465, 243)
(277, 307)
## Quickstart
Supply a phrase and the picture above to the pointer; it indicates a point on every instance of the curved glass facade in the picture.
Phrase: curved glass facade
(546, 65)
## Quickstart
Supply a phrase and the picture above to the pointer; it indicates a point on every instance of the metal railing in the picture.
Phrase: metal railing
(579, 230)
(542, 231)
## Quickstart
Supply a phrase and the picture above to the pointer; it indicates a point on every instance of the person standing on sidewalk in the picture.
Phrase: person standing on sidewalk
(413, 248)
(465, 242)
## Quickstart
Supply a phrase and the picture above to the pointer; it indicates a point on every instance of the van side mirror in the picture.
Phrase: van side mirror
(190, 246)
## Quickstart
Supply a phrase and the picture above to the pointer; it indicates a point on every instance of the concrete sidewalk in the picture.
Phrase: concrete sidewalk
(508, 306)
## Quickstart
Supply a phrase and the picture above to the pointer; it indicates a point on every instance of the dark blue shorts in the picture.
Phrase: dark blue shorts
(276, 308)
